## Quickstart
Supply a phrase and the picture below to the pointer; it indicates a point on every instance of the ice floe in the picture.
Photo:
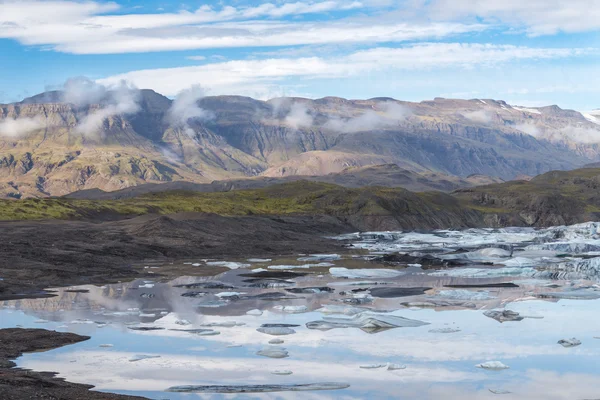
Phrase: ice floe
(228, 264)
(493, 366)
(339, 272)
(569, 342)
(367, 321)
(321, 257)
(291, 309)
(461, 294)
(273, 352)
(257, 388)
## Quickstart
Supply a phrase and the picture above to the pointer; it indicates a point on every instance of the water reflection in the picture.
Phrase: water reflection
(261, 326)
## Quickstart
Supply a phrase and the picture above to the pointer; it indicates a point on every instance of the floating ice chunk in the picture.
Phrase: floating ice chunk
(276, 341)
(504, 316)
(493, 252)
(257, 388)
(355, 283)
(367, 321)
(256, 312)
(373, 366)
(209, 332)
(82, 322)
(213, 304)
(322, 289)
(365, 273)
(291, 309)
(571, 295)
(226, 324)
(194, 294)
(499, 391)
(461, 294)
(282, 372)
(273, 352)
(486, 272)
(259, 270)
(145, 328)
(146, 285)
(139, 357)
(303, 266)
(395, 367)
(444, 330)
(566, 247)
(519, 262)
(143, 315)
(259, 260)
(106, 345)
(228, 294)
(276, 331)
(493, 366)
(321, 257)
(569, 342)
(228, 264)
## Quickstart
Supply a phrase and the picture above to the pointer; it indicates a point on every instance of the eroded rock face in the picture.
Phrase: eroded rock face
(249, 137)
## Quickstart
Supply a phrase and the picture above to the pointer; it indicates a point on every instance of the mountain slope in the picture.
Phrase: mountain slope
(52, 146)
(388, 175)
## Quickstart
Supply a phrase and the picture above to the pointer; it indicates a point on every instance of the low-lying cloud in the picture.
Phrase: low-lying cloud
(14, 128)
(478, 116)
(185, 108)
(385, 115)
(119, 99)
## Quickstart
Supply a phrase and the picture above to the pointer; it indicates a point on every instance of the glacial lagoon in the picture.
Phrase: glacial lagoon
(478, 314)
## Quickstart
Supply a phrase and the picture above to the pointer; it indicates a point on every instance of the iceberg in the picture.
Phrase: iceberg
(273, 352)
(321, 257)
(369, 322)
(291, 309)
(228, 264)
(493, 366)
(461, 294)
(486, 272)
(233, 389)
(276, 331)
(569, 342)
(504, 316)
(365, 273)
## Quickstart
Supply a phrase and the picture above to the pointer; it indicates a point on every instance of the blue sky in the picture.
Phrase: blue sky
(530, 53)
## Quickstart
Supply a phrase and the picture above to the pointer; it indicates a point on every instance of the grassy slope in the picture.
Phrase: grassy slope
(297, 198)
(549, 199)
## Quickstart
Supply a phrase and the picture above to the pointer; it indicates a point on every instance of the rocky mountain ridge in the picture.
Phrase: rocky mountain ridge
(51, 146)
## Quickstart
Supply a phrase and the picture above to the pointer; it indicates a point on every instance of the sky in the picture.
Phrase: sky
(529, 53)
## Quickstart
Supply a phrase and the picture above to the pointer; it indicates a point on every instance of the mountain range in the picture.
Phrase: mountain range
(60, 142)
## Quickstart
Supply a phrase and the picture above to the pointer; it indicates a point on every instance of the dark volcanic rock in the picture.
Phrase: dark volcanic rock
(18, 384)
(321, 289)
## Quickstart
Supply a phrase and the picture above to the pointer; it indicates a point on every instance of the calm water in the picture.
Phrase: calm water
(352, 323)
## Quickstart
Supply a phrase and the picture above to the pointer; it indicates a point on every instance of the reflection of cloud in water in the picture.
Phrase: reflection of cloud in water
(440, 366)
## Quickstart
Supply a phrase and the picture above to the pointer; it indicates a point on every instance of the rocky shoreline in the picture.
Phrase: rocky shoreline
(20, 384)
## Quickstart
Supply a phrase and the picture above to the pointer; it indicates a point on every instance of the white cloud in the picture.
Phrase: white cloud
(387, 114)
(482, 116)
(13, 128)
(119, 98)
(252, 77)
(537, 17)
(87, 28)
(185, 108)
